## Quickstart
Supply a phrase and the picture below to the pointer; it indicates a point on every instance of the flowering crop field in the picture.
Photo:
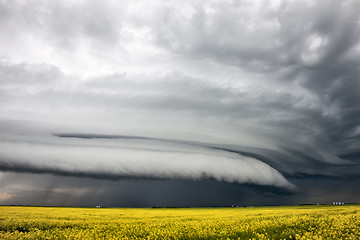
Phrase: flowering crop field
(300, 222)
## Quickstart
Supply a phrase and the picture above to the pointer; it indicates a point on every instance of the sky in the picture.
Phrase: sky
(179, 103)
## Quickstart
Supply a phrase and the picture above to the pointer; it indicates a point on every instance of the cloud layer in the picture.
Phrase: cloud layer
(249, 92)
(119, 159)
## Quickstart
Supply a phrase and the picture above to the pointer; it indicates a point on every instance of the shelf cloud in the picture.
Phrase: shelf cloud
(137, 159)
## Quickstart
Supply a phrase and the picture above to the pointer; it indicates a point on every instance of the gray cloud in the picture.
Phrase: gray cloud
(238, 92)
(116, 158)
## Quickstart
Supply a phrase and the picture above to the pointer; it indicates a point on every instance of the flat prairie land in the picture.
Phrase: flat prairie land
(295, 222)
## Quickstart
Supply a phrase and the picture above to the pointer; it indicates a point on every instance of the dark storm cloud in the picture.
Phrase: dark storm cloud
(188, 90)
(261, 36)
(296, 42)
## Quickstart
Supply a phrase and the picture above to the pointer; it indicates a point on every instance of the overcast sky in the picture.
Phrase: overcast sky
(179, 103)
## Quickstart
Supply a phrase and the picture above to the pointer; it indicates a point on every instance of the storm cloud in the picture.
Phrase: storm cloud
(260, 93)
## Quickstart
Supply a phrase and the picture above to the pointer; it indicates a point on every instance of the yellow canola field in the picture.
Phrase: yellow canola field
(302, 222)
